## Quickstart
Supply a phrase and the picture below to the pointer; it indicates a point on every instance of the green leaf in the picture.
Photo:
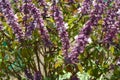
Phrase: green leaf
(65, 76)
(80, 68)
(112, 49)
(72, 20)
(83, 76)
(4, 43)
(58, 64)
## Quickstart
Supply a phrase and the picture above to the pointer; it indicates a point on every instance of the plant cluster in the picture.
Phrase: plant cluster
(60, 39)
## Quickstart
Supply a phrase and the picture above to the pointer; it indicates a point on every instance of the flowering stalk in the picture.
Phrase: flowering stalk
(110, 28)
(82, 40)
(29, 26)
(39, 20)
(111, 23)
(57, 15)
(12, 21)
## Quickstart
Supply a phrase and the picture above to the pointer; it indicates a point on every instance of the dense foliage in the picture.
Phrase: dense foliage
(60, 39)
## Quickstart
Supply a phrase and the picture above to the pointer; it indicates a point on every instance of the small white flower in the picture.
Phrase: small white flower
(79, 10)
(16, 16)
(118, 12)
(66, 25)
(49, 4)
(76, 37)
(89, 40)
(118, 63)
(57, 1)
(94, 2)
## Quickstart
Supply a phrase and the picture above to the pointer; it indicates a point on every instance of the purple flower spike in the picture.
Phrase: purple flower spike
(57, 15)
(12, 21)
(40, 22)
(82, 40)
(111, 23)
